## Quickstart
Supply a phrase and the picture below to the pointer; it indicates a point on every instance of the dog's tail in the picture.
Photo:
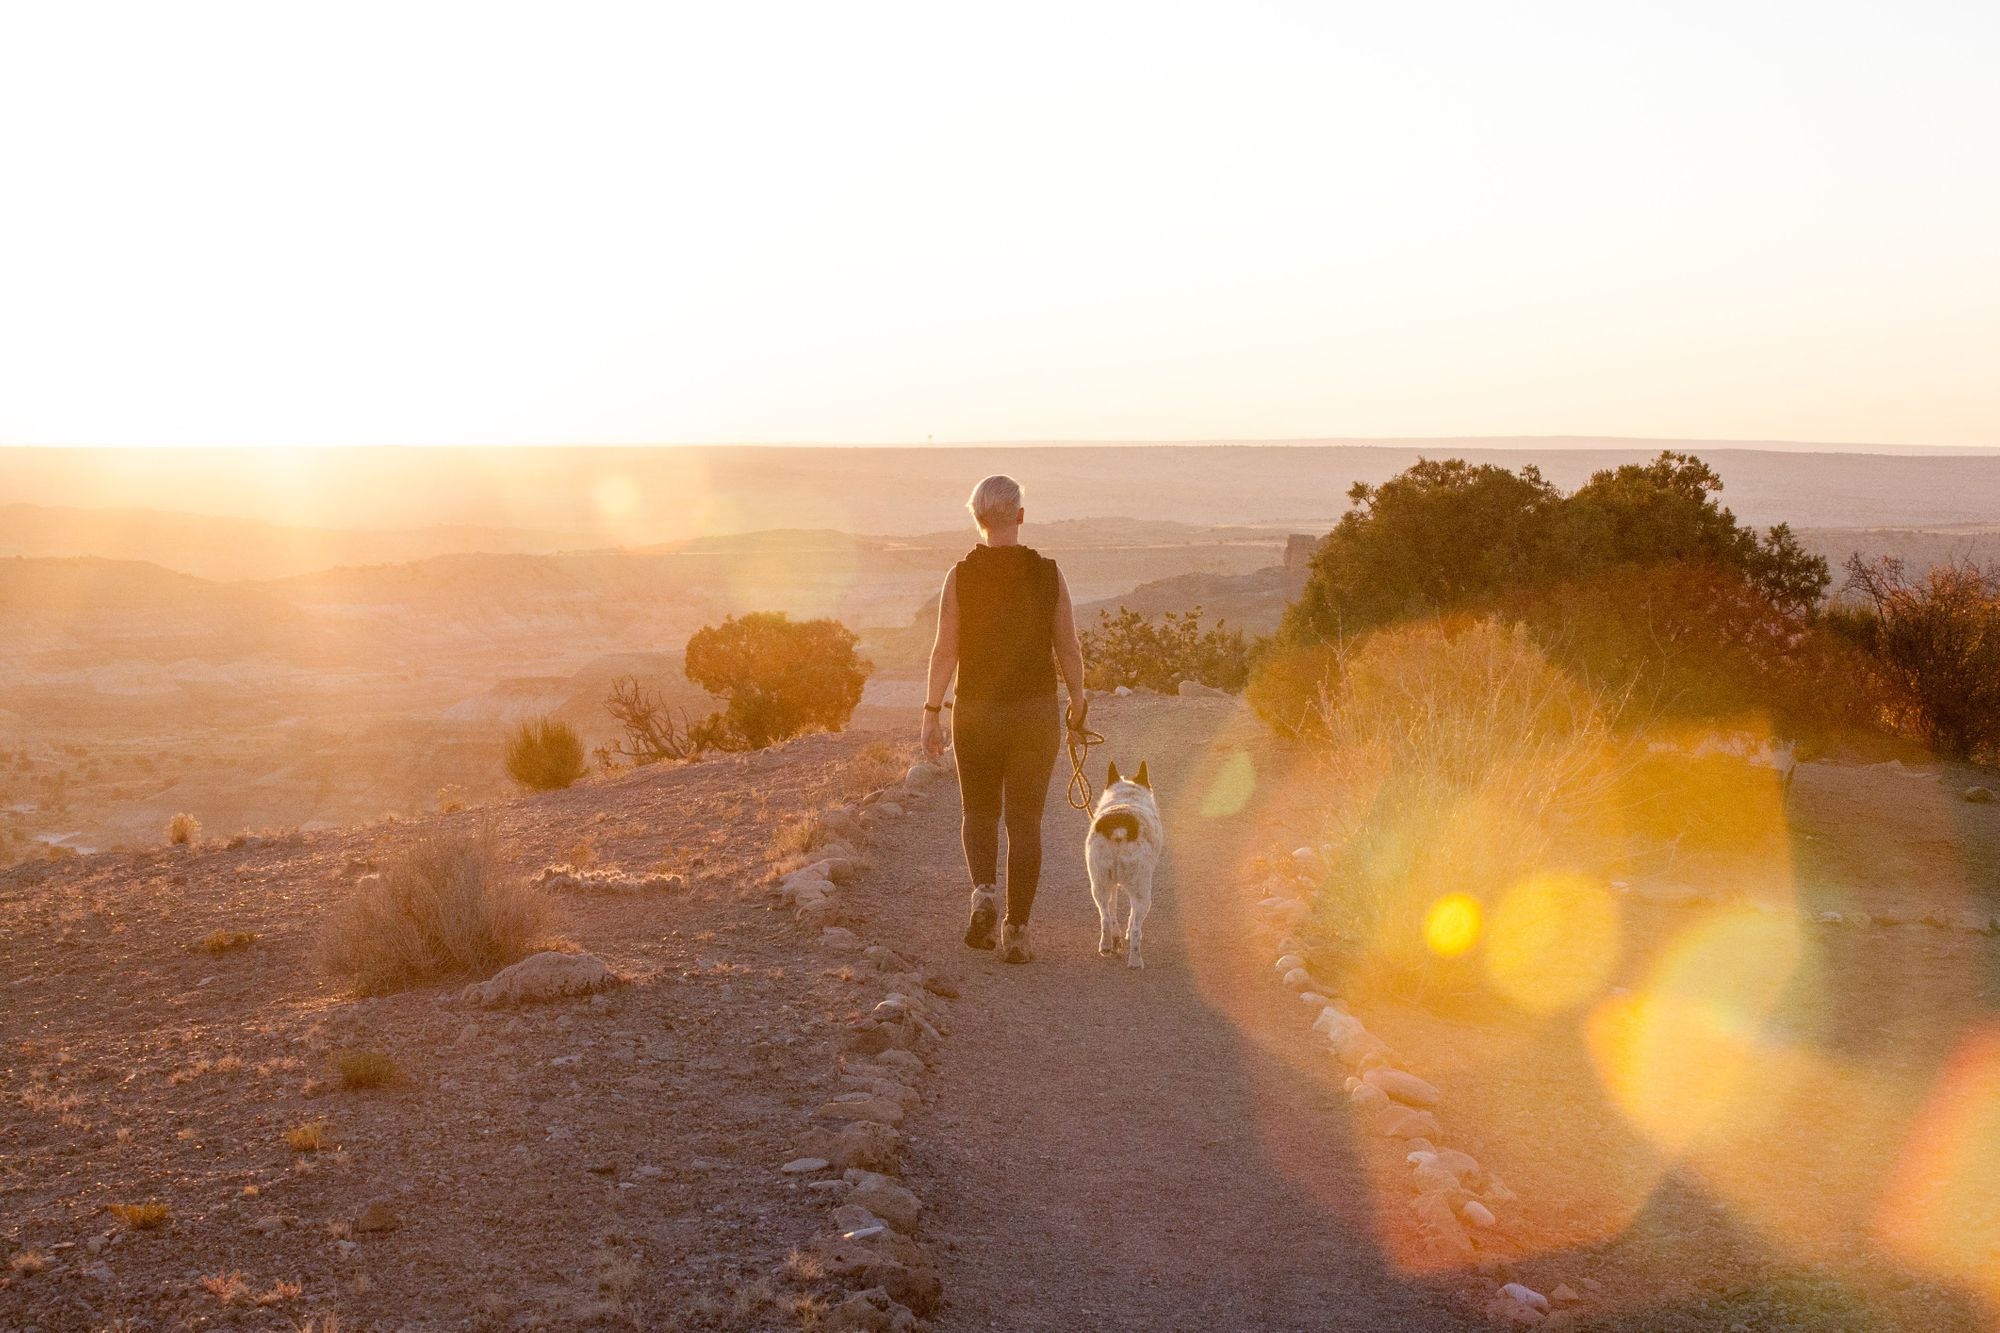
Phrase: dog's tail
(1118, 826)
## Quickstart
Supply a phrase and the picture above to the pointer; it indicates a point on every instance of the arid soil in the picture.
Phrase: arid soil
(606, 1162)
(1100, 1148)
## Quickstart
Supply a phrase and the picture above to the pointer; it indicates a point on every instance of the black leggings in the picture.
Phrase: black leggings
(1006, 751)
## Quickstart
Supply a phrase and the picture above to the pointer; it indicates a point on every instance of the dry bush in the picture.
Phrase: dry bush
(1455, 759)
(222, 941)
(1937, 638)
(280, 1292)
(309, 1137)
(141, 1216)
(545, 755)
(365, 1069)
(443, 907)
(182, 830)
(226, 1287)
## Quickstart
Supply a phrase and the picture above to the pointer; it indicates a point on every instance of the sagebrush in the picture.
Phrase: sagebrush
(445, 906)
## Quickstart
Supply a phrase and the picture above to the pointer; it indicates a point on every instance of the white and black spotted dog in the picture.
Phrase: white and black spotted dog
(1122, 851)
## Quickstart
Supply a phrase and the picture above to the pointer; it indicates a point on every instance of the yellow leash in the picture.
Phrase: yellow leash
(1079, 742)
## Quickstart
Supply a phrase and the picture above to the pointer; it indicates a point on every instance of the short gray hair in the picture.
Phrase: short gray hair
(998, 498)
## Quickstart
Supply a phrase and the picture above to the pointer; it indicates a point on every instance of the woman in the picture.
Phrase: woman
(1005, 625)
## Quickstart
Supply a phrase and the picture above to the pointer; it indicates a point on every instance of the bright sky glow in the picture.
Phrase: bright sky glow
(422, 223)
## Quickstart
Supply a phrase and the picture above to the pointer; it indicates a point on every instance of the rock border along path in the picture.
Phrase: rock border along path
(872, 1245)
(1114, 1149)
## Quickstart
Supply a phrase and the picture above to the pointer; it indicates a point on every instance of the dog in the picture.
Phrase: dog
(1122, 851)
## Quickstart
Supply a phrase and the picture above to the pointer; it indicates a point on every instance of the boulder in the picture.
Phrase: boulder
(1403, 1123)
(542, 976)
(800, 1166)
(888, 1200)
(1405, 1088)
(863, 1144)
(1194, 689)
(1979, 795)
(895, 1264)
(870, 1311)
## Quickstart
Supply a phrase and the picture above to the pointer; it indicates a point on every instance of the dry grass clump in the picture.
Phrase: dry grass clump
(228, 1288)
(365, 1069)
(280, 1292)
(27, 1263)
(141, 1216)
(444, 907)
(309, 1137)
(546, 755)
(222, 941)
(1456, 760)
(876, 764)
(182, 830)
(798, 837)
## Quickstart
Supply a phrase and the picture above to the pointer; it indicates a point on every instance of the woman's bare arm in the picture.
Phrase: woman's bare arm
(944, 663)
(1069, 650)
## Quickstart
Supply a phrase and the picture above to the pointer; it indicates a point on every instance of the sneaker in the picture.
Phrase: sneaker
(985, 916)
(1014, 943)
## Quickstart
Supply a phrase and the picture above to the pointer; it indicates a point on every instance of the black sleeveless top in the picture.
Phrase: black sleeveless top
(1006, 624)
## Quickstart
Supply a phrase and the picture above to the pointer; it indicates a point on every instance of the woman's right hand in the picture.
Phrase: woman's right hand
(933, 735)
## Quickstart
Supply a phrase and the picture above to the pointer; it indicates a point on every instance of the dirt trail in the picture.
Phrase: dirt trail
(1114, 1149)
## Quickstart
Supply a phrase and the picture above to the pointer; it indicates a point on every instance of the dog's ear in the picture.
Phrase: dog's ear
(1141, 777)
(1112, 776)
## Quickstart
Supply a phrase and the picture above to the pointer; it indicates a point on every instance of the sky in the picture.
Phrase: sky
(432, 223)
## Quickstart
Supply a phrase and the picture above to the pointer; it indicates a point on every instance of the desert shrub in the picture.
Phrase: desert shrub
(365, 1069)
(183, 830)
(442, 907)
(652, 732)
(1132, 649)
(1288, 686)
(141, 1216)
(309, 1137)
(781, 677)
(223, 941)
(1456, 761)
(1937, 638)
(545, 755)
(1447, 536)
(1693, 639)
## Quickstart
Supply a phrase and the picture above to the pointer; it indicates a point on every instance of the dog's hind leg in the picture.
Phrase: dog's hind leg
(1139, 892)
(1104, 893)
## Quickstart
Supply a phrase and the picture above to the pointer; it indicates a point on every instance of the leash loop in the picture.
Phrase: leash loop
(1079, 740)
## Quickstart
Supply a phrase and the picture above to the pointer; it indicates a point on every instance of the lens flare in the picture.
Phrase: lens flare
(1688, 1053)
(1232, 788)
(1552, 942)
(1451, 926)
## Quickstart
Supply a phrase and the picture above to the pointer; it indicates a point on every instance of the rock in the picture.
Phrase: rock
(1298, 976)
(1359, 1048)
(1194, 689)
(1565, 1294)
(1477, 1214)
(1305, 855)
(865, 1144)
(99, 1271)
(1282, 909)
(800, 1166)
(1369, 1100)
(870, 1311)
(542, 976)
(886, 1088)
(896, 1264)
(376, 1218)
(1401, 1123)
(940, 985)
(1405, 1088)
(1979, 795)
(888, 809)
(1122, 691)
(904, 1060)
(649, 1173)
(1289, 961)
(878, 1109)
(1527, 1296)
(840, 938)
(1441, 1226)
(891, 1202)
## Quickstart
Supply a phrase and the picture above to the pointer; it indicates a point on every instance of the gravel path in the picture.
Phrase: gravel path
(1111, 1149)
